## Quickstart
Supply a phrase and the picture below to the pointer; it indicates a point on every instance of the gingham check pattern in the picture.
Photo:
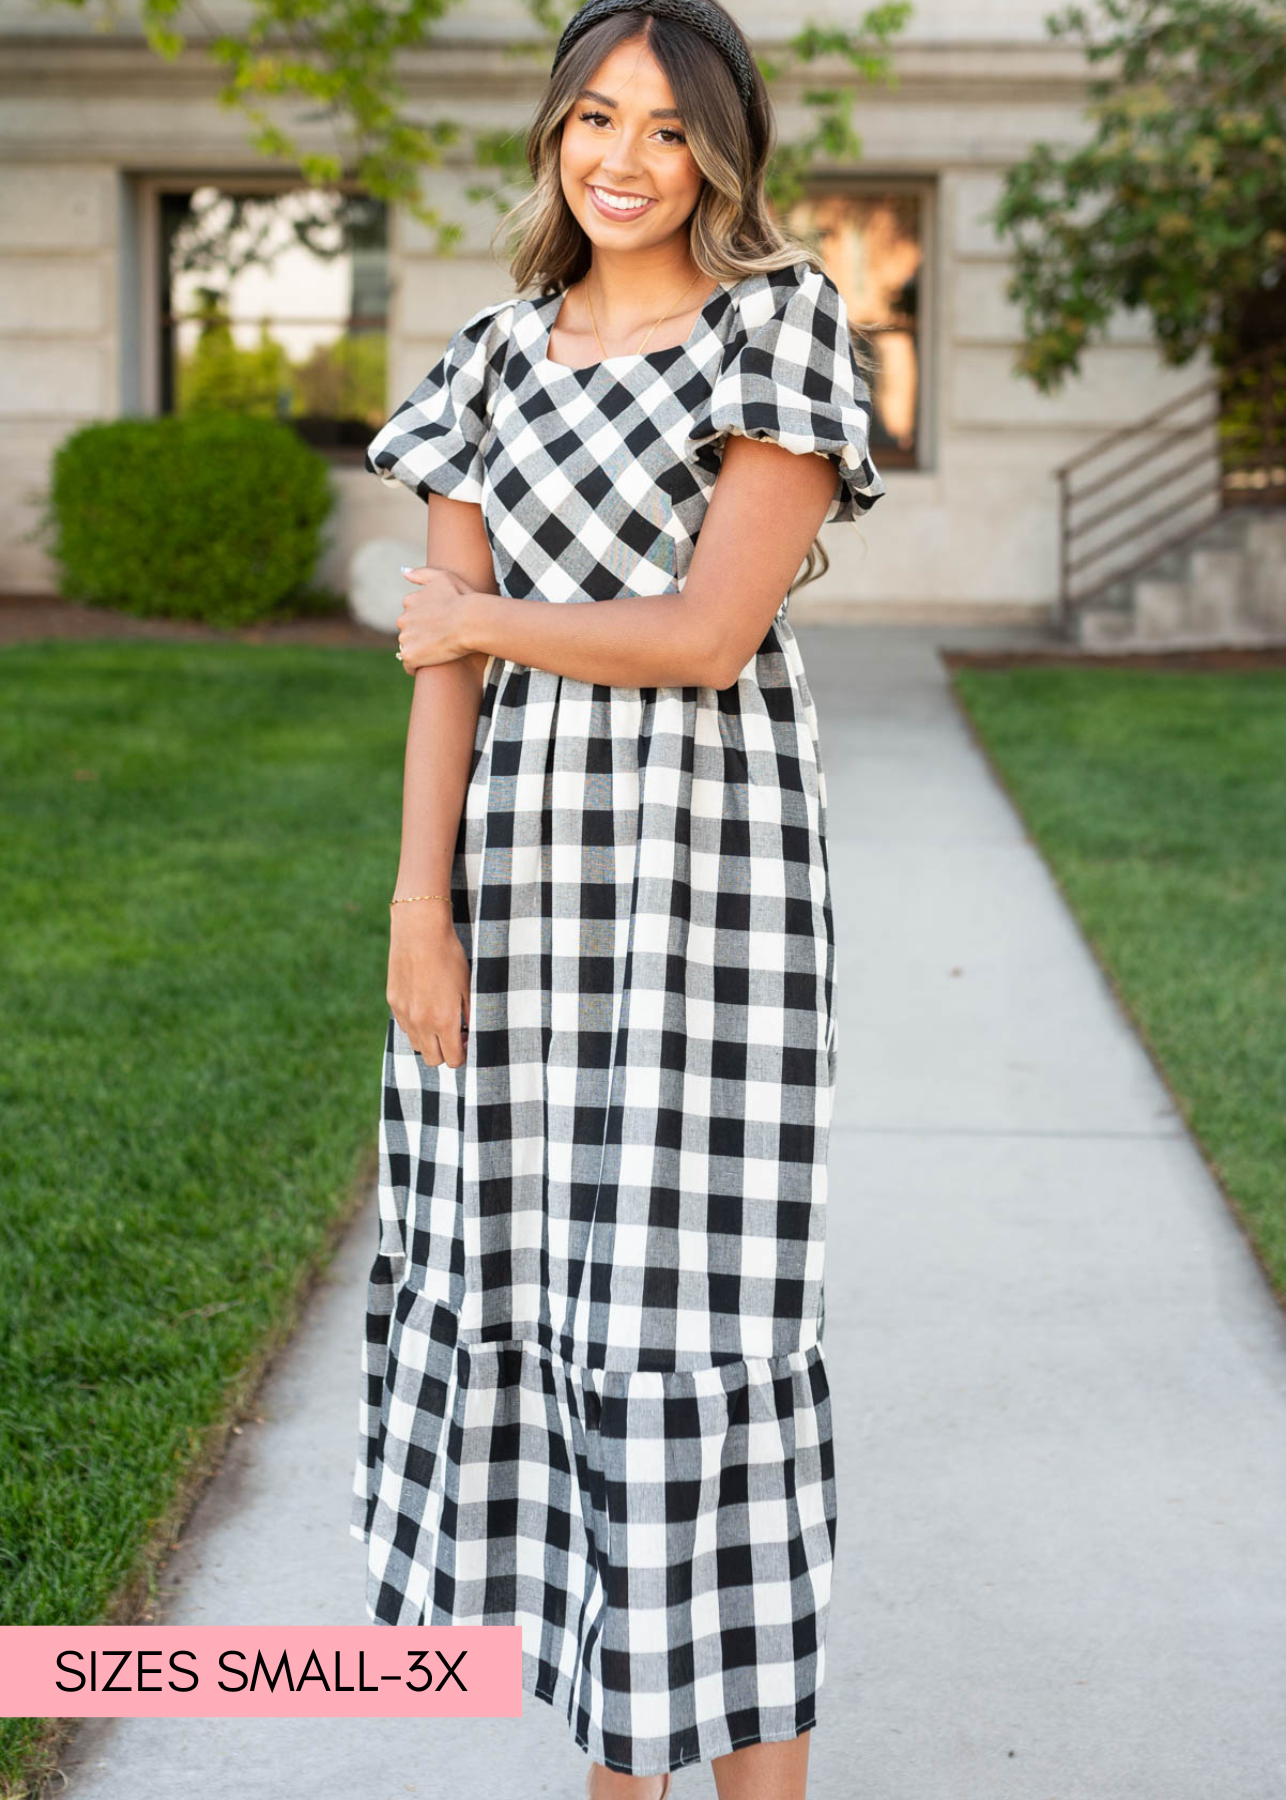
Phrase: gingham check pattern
(596, 1401)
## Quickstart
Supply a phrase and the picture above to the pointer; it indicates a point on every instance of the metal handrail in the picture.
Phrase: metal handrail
(1130, 536)
(1267, 454)
(1144, 424)
(1140, 493)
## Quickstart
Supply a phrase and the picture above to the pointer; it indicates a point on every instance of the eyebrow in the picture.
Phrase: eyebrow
(657, 112)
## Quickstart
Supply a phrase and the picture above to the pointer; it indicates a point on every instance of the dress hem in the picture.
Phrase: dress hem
(725, 1742)
(717, 1742)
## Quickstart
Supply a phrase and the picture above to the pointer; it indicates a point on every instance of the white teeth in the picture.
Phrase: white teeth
(619, 205)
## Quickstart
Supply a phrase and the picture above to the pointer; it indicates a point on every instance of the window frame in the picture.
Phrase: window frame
(825, 183)
(146, 191)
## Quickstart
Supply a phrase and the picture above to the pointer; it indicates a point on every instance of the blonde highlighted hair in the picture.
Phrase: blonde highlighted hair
(731, 230)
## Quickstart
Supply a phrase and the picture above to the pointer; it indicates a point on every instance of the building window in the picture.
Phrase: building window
(871, 240)
(275, 303)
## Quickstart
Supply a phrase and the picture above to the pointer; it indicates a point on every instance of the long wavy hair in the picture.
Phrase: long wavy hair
(732, 232)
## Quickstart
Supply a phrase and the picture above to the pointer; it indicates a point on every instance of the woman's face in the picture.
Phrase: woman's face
(613, 139)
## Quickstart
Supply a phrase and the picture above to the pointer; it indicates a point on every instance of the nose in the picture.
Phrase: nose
(621, 162)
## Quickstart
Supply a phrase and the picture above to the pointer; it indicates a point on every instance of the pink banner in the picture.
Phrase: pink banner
(290, 1672)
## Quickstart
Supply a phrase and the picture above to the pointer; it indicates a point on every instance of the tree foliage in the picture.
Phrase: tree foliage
(1177, 203)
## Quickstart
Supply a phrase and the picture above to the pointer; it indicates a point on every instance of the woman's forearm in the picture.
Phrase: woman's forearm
(439, 751)
(650, 640)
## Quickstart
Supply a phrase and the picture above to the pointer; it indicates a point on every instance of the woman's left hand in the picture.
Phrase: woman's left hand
(430, 623)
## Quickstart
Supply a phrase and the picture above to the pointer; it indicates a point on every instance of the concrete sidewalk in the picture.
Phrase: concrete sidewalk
(1059, 1375)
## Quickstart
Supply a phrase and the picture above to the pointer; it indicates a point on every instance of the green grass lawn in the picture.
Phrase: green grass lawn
(198, 845)
(1159, 800)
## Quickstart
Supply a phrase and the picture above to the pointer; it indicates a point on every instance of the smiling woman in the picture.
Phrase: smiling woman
(597, 1401)
(620, 162)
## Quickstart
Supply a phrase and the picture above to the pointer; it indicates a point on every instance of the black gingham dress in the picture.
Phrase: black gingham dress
(595, 1401)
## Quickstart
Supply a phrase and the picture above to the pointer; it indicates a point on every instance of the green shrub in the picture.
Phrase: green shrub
(211, 516)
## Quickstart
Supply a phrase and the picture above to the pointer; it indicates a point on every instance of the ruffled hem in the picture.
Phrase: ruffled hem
(663, 1538)
(716, 1738)
(858, 484)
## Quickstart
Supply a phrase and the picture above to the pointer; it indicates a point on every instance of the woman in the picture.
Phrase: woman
(596, 1403)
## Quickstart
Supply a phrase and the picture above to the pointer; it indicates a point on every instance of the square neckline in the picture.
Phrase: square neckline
(545, 361)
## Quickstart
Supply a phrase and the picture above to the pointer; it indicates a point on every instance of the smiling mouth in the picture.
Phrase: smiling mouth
(620, 206)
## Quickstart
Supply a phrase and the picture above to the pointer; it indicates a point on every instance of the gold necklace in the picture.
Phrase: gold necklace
(664, 316)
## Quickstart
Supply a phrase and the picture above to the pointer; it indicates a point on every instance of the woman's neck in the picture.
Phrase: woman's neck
(642, 285)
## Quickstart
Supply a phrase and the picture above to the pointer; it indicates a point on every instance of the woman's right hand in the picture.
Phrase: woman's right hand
(428, 981)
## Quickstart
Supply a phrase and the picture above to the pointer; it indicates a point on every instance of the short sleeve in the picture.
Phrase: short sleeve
(788, 373)
(434, 442)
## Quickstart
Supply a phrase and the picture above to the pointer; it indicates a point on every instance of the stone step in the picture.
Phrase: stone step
(1266, 538)
(1160, 609)
(1265, 599)
(1103, 628)
(1226, 531)
(1226, 585)
(1117, 596)
(1171, 565)
(1216, 590)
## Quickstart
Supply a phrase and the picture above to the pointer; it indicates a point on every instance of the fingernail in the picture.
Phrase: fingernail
(405, 568)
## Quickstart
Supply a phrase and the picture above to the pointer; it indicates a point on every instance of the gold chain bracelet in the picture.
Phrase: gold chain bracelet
(405, 897)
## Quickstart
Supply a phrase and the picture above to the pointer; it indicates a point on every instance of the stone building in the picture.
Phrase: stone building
(104, 145)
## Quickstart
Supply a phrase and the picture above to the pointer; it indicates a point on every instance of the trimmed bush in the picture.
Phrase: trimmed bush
(213, 516)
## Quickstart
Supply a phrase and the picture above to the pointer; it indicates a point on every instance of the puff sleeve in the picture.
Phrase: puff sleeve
(788, 373)
(434, 441)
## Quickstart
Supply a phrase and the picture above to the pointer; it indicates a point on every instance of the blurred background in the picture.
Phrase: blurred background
(1044, 278)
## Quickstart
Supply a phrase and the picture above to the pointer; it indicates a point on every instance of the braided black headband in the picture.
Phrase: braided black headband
(693, 13)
